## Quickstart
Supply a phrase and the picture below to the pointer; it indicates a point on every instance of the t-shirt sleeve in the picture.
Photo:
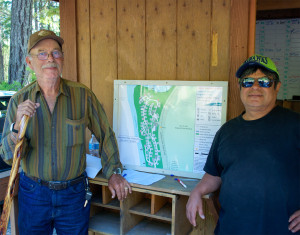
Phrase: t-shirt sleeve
(212, 165)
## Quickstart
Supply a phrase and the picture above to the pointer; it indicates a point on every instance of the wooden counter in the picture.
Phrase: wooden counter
(155, 209)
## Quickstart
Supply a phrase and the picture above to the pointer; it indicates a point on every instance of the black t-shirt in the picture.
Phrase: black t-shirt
(259, 164)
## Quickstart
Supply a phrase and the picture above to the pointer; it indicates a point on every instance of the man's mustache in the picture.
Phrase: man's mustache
(50, 65)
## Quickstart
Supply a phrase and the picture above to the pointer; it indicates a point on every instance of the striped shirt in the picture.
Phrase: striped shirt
(54, 148)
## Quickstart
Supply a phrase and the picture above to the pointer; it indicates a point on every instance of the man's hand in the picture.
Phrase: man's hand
(193, 206)
(25, 108)
(118, 186)
(208, 184)
(295, 222)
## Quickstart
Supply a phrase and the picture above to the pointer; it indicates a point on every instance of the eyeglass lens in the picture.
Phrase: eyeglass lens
(263, 82)
(55, 54)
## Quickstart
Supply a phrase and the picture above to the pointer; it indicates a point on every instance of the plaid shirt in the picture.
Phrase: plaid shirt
(54, 147)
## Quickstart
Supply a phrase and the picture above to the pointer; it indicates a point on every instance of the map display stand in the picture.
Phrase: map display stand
(167, 126)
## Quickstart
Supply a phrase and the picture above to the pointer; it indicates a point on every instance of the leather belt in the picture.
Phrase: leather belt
(57, 185)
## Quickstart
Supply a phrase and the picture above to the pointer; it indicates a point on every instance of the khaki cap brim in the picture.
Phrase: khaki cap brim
(38, 36)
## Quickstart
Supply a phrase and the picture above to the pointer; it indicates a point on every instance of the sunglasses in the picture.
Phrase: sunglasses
(45, 55)
(262, 82)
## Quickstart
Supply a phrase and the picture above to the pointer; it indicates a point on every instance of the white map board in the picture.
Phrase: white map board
(167, 126)
(280, 40)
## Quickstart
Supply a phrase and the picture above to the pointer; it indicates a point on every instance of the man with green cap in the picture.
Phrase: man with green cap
(254, 160)
(53, 188)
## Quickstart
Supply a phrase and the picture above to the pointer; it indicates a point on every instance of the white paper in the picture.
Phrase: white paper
(142, 178)
(279, 40)
(93, 165)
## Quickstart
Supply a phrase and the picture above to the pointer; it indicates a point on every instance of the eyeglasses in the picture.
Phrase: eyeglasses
(262, 82)
(45, 55)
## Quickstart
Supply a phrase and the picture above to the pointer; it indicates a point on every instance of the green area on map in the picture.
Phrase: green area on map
(149, 105)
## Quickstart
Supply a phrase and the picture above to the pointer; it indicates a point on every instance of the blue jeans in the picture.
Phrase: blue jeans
(42, 209)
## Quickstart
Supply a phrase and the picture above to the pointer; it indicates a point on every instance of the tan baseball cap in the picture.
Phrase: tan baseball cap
(41, 35)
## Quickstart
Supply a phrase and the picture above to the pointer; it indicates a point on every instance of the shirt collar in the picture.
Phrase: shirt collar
(62, 89)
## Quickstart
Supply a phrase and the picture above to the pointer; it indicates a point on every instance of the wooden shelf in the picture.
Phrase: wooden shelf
(154, 209)
(114, 204)
(150, 227)
(144, 209)
(105, 223)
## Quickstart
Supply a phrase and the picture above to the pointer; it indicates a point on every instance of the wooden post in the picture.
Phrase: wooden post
(68, 33)
(252, 24)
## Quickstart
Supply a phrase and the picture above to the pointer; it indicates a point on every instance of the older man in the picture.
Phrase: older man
(53, 190)
(255, 161)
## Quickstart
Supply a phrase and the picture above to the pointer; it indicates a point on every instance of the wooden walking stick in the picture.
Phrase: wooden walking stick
(13, 176)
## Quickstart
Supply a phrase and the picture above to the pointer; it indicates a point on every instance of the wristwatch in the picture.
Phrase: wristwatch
(12, 128)
(118, 171)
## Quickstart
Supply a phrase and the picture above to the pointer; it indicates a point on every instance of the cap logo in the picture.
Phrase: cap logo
(44, 33)
(260, 59)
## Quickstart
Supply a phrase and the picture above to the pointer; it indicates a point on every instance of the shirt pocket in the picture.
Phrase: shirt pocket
(75, 131)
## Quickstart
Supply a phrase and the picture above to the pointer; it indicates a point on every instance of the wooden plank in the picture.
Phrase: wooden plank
(68, 33)
(157, 202)
(136, 207)
(163, 186)
(131, 39)
(209, 221)
(204, 226)
(238, 48)
(83, 42)
(293, 105)
(220, 34)
(105, 222)
(213, 207)
(252, 25)
(277, 4)
(193, 40)
(103, 51)
(181, 223)
(129, 220)
(144, 209)
(150, 227)
(161, 40)
(95, 210)
(106, 195)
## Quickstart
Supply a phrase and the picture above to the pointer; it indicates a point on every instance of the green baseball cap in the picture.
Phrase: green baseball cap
(257, 60)
(41, 35)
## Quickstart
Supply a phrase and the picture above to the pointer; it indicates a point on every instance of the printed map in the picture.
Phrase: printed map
(167, 127)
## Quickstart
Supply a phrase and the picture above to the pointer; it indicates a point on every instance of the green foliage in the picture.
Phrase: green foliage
(5, 21)
(45, 16)
(10, 87)
(31, 76)
(46, 12)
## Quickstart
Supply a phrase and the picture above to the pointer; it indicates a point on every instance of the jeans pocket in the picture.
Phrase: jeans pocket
(77, 188)
(27, 186)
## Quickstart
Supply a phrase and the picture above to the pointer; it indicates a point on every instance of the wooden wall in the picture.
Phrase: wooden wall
(192, 40)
